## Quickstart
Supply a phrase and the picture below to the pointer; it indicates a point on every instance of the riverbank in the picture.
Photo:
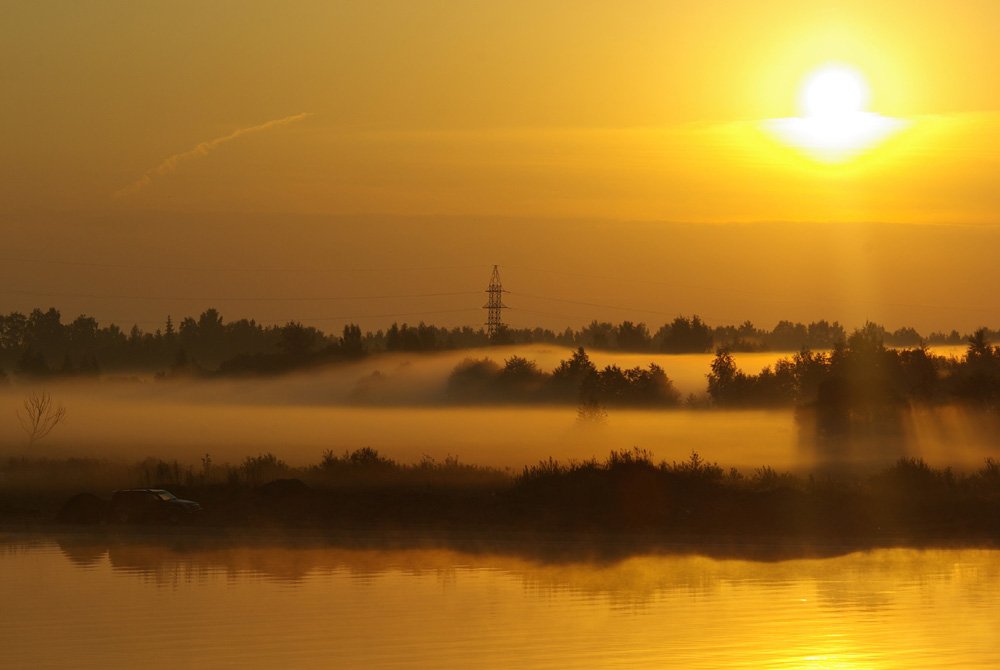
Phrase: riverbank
(626, 503)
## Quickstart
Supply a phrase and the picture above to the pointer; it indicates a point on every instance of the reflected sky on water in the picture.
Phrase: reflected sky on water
(77, 602)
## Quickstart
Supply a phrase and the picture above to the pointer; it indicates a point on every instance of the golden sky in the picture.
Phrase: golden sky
(461, 111)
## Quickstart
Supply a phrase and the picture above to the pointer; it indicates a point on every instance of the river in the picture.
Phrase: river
(186, 603)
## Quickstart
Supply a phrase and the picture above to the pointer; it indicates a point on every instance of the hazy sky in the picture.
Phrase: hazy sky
(250, 150)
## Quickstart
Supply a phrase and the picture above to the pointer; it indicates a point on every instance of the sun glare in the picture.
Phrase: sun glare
(834, 126)
(834, 91)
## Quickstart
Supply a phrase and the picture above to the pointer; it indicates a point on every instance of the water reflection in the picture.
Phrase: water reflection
(844, 581)
(83, 552)
(195, 602)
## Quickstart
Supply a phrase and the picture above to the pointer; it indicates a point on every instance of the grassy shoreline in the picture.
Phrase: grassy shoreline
(627, 502)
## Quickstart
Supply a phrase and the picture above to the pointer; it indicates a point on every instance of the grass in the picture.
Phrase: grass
(626, 494)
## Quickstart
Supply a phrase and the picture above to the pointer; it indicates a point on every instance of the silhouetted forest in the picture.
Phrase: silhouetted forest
(574, 380)
(859, 391)
(863, 373)
(40, 344)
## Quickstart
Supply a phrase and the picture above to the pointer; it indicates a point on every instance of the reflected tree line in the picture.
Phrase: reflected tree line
(40, 344)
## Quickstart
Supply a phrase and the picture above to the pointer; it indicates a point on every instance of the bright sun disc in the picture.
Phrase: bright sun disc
(834, 126)
(834, 90)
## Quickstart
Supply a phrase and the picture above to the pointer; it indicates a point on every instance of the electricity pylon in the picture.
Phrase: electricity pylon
(494, 304)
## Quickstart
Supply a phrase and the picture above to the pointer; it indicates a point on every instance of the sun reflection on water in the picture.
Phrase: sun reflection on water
(104, 603)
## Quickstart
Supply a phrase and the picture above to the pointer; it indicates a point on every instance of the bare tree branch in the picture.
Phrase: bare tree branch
(38, 416)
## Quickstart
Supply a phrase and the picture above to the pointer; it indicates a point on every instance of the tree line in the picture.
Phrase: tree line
(576, 380)
(861, 370)
(41, 344)
(858, 392)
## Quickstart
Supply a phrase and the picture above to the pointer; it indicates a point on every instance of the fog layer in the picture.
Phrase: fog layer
(397, 405)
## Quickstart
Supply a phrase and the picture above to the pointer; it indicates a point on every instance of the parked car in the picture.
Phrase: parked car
(151, 506)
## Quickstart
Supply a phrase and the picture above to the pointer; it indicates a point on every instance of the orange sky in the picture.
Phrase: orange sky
(188, 135)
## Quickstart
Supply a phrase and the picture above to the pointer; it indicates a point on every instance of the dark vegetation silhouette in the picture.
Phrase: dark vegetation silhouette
(857, 395)
(576, 380)
(39, 344)
(627, 493)
(861, 375)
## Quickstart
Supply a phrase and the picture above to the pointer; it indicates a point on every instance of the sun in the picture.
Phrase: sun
(834, 125)
(834, 91)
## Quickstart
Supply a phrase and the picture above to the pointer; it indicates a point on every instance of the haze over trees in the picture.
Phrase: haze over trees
(40, 344)
(576, 380)
(857, 393)
(862, 371)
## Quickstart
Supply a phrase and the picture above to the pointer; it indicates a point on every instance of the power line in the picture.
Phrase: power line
(215, 268)
(358, 317)
(616, 307)
(591, 304)
(757, 295)
(408, 296)
(355, 317)
(540, 313)
(95, 296)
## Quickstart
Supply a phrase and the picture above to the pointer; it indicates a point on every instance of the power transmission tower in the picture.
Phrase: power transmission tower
(494, 304)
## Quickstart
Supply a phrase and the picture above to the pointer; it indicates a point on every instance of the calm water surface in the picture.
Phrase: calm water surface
(79, 604)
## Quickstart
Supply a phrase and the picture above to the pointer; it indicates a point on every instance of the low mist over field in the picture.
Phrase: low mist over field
(399, 405)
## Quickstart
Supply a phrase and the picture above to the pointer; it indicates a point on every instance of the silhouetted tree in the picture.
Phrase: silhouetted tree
(67, 368)
(684, 335)
(823, 335)
(978, 378)
(651, 387)
(32, 364)
(904, 337)
(809, 368)
(725, 382)
(520, 379)
(83, 333)
(38, 416)
(859, 402)
(351, 342)
(569, 378)
(788, 336)
(473, 380)
(632, 337)
(13, 329)
(502, 335)
(297, 340)
(599, 335)
(44, 330)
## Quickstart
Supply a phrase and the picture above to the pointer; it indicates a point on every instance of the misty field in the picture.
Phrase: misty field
(399, 405)
(386, 444)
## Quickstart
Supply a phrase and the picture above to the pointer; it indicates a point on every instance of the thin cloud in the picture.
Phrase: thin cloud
(170, 164)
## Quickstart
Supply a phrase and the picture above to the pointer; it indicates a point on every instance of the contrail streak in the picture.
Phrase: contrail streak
(170, 164)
